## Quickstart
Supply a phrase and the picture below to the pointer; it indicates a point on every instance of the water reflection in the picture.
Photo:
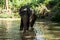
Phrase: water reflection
(9, 30)
(3, 30)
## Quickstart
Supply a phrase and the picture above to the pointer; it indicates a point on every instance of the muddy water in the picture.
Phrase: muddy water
(43, 30)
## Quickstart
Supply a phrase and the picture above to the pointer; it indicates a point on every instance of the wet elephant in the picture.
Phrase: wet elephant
(27, 17)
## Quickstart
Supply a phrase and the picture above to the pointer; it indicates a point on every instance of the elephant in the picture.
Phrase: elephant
(28, 17)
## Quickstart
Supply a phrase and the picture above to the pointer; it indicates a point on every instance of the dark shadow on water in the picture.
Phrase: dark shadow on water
(29, 35)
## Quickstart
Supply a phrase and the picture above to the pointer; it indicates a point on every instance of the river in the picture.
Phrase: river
(43, 30)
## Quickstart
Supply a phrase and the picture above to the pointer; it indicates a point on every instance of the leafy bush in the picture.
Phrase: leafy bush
(56, 17)
(56, 11)
(41, 10)
(16, 15)
(1, 3)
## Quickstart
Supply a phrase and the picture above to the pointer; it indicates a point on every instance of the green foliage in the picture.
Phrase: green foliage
(41, 8)
(37, 5)
(46, 1)
(56, 7)
(16, 15)
(56, 17)
(56, 11)
(1, 3)
(52, 4)
(19, 3)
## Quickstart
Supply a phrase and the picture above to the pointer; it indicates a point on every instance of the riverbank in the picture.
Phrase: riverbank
(10, 18)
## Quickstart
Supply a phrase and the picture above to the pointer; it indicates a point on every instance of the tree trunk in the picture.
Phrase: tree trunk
(6, 4)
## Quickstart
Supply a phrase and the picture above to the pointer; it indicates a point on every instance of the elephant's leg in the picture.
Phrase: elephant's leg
(34, 17)
(21, 25)
(26, 22)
